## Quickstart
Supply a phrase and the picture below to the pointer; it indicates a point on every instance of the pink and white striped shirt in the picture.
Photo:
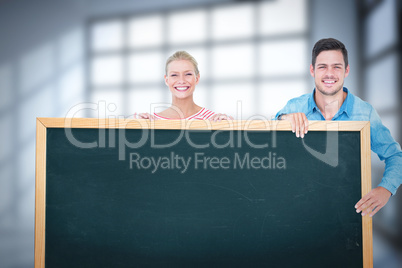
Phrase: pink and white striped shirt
(202, 114)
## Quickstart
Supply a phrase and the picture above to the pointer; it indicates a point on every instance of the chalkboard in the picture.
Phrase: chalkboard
(238, 194)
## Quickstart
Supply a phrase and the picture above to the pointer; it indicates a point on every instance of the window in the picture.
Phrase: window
(247, 54)
(380, 61)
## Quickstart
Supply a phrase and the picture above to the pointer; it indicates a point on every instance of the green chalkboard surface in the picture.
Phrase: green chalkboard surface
(210, 199)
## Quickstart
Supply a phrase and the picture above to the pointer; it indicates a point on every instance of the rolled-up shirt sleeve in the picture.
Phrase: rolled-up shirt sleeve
(388, 150)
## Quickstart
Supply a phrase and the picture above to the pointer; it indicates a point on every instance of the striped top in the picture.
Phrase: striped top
(202, 114)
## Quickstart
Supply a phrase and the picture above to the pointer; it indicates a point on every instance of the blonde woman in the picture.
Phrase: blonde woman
(182, 76)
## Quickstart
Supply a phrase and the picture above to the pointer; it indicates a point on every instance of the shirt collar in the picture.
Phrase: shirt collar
(346, 107)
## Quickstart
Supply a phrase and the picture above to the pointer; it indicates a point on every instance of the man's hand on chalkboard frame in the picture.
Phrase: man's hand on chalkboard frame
(372, 202)
(298, 121)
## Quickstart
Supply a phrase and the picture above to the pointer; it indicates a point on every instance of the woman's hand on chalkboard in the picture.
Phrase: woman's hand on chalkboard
(220, 117)
(145, 116)
(299, 123)
(372, 202)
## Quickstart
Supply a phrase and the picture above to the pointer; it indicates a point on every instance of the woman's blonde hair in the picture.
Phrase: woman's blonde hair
(182, 55)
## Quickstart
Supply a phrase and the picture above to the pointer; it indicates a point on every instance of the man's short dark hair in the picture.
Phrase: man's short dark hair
(329, 44)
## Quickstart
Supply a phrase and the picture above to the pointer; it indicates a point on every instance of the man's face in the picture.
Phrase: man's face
(329, 72)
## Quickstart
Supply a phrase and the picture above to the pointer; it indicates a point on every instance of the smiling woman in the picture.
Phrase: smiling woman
(181, 76)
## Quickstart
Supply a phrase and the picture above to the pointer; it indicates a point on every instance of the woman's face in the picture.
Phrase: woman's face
(181, 78)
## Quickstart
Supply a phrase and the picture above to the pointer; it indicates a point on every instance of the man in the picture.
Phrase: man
(331, 101)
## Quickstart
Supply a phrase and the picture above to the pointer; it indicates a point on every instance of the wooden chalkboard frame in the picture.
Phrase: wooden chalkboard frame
(43, 123)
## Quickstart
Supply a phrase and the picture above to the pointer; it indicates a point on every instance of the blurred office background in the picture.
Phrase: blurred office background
(254, 55)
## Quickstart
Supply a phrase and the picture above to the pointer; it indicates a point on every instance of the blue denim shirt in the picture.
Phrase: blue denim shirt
(355, 109)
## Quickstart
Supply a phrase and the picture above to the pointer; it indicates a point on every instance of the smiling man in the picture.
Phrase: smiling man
(331, 101)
